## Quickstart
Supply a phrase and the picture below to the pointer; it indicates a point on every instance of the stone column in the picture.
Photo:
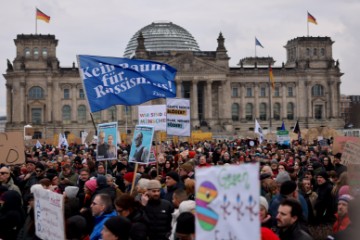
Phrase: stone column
(308, 99)
(178, 88)
(256, 101)
(49, 101)
(22, 101)
(8, 102)
(284, 102)
(242, 101)
(208, 102)
(194, 103)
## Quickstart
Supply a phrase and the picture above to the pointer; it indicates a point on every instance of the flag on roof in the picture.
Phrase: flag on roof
(257, 43)
(42, 16)
(311, 18)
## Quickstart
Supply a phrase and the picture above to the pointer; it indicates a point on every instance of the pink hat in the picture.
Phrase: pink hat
(344, 190)
(91, 185)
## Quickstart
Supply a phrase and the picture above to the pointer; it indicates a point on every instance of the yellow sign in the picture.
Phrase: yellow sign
(198, 136)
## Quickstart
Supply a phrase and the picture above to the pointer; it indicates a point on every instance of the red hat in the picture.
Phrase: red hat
(91, 185)
(192, 154)
(129, 176)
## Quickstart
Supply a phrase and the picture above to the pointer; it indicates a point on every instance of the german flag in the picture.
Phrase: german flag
(42, 16)
(311, 18)
(271, 76)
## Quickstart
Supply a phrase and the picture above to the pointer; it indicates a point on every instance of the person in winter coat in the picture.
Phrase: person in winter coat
(325, 202)
(289, 221)
(7, 181)
(159, 213)
(12, 215)
(102, 210)
(126, 206)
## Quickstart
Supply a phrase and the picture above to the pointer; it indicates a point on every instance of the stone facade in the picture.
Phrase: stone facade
(224, 99)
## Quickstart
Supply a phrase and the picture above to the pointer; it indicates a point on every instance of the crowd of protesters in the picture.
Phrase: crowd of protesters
(304, 191)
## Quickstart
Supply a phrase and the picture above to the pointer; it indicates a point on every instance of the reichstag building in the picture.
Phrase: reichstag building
(224, 99)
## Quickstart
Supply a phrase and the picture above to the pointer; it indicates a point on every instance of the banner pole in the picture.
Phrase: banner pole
(134, 178)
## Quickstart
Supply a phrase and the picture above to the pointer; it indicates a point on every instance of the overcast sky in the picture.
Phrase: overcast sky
(104, 27)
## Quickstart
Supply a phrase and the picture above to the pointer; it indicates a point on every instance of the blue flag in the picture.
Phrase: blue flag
(257, 43)
(282, 126)
(112, 81)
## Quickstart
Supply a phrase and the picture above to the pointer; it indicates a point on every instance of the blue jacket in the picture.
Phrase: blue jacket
(99, 225)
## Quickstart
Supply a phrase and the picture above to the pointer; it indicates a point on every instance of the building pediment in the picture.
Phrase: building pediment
(188, 63)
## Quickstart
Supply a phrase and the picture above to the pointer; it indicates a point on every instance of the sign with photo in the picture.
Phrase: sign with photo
(141, 144)
(106, 142)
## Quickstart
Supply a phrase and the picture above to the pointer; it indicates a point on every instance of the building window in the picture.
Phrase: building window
(27, 52)
(66, 93)
(262, 111)
(44, 52)
(234, 92)
(277, 111)
(81, 114)
(249, 92)
(318, 111)
(235, 109)
(290, 91)
(315, 51)
(317, 90)
(36, 53)
(249, 112)
(186, 90)
(290, 111)
(97, 117)
(36, 93)
(277, 92)
(262, 92)
(112, 113)
(66, 114)
(36, 115)
(37, 135)
(322, 51)
(81, 93)
(307, 51)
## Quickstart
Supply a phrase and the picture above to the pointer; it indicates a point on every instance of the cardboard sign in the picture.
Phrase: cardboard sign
(12, 148)
(351, 153)
(339, 142)
(49, 215)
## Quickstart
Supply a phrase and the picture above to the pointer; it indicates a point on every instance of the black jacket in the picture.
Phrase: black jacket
(139, 227)
(159, 214)
(295, 232)
(324, 205)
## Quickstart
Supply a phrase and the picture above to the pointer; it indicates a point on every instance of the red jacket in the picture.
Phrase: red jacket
(341, 224)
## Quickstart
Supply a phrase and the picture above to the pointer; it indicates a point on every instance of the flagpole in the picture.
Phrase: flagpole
(255, 47)
(307, 21)
(35, 21)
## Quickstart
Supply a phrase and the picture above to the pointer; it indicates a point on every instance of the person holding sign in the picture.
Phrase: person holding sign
(141, 152)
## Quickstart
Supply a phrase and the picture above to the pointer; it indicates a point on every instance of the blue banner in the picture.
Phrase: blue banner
(112, 81)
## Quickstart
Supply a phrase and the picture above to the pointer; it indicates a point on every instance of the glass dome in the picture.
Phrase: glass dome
(163, 36)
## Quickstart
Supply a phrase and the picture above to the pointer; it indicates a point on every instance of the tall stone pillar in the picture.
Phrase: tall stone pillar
(242, 101)
(22, 101)
(208, 102)
(9, 104)
(178, 88)
(194, 103)
(225, 105)
(284, 102)
(50, 99)
(256, 101)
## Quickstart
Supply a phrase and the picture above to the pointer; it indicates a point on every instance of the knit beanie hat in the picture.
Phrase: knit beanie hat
(91, 185)
(274, 161)
(282, 177)
(323, 174)
(264, 203)
(71, 191)
(173, 175)
(153, 184)
(187, 206)
(119, 226)
(76, 227)
(129, 176)
(185, 223)
(40, 165)
(344, 190)
(346, 198)
(287, 187)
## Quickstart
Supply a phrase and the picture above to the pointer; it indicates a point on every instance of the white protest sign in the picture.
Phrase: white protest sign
(351, 153)
(178, 117)
(227, 202)
(153, 115)
(49, 215)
